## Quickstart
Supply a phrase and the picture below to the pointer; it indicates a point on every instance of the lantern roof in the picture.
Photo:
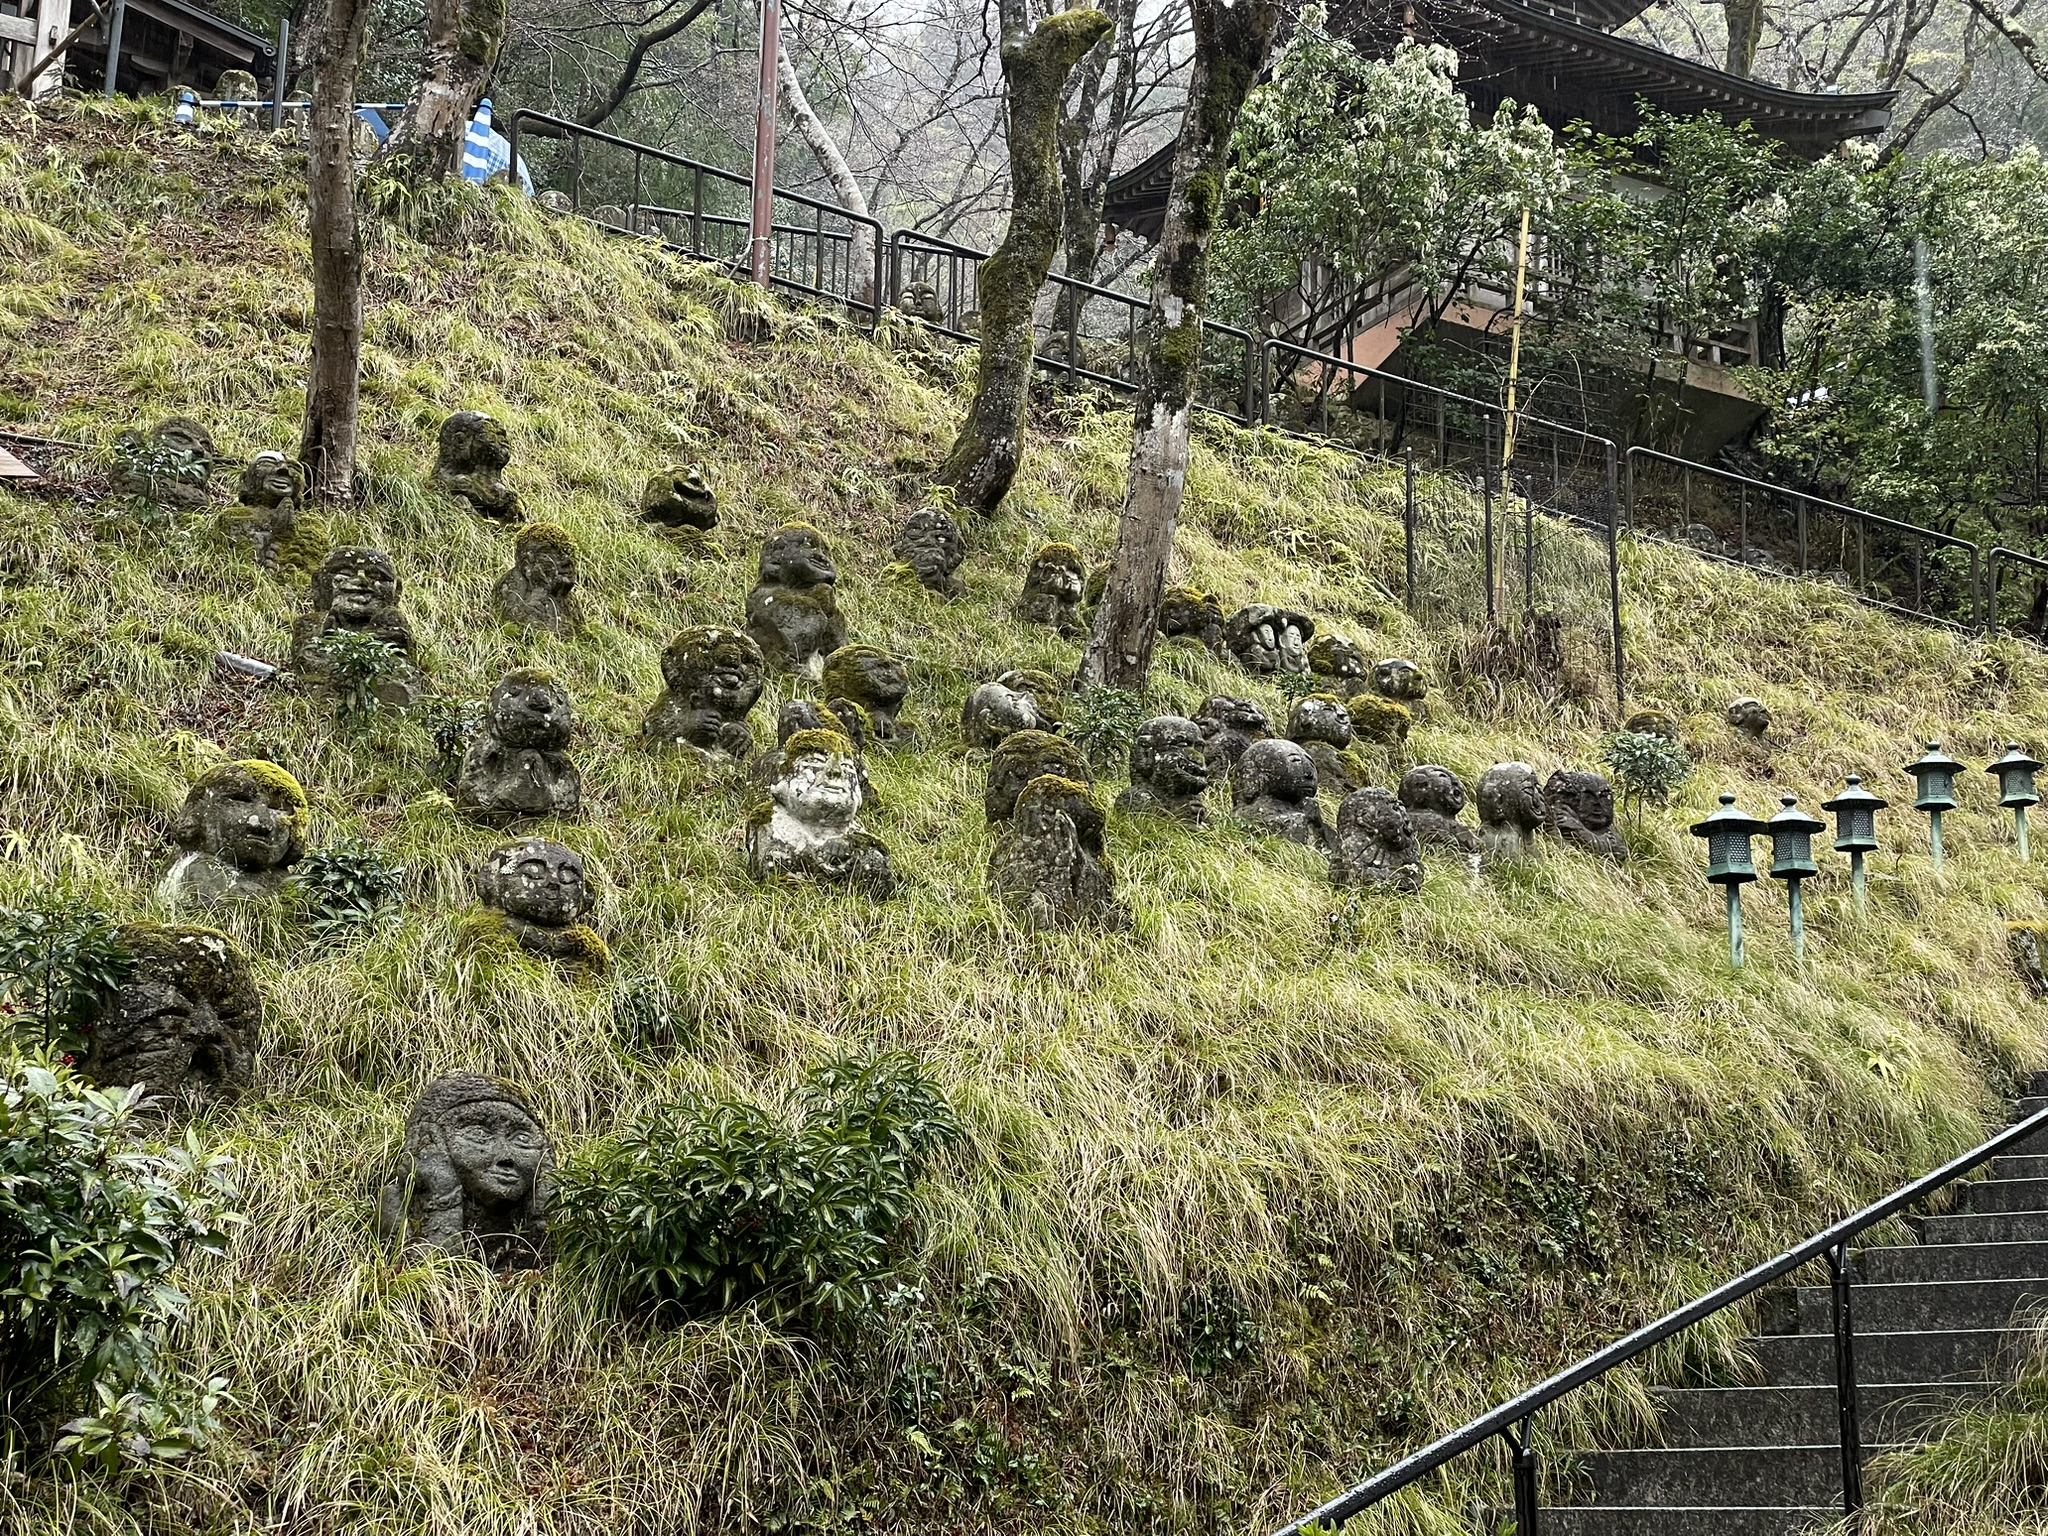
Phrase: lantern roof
(1855, 797)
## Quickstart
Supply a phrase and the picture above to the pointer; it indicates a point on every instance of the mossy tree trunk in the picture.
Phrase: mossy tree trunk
(1036, 63)
(1232, 39)
(463, 39)
(1745, 31)
(327, 441)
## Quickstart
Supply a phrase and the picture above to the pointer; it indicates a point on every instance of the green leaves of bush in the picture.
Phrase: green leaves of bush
(347, 891)
(701, 1204)
(58, 958)
(1649, 766)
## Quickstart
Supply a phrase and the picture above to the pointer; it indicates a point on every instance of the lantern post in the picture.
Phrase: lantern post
(1791, 832)
(1856, 811)
(1935, 779)
(1729, 864)
(2016, 789)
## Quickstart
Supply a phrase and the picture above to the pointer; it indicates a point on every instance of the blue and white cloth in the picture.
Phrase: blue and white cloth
(486, 152)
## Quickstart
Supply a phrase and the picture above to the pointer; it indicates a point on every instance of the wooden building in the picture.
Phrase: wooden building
(164, 44)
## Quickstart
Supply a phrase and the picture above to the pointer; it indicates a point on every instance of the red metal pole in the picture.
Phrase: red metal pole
(761, 242)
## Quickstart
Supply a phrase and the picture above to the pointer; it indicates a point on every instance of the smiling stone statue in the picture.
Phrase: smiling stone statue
(534, 896)
(517, 768)
(474, 1178)
(243, 826)
(810, 826)
(713, 679)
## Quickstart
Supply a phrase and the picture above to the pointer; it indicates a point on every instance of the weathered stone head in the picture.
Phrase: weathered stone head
(1229, 726)
(1376, 844)
(1048, 864)
(811, 828)
(473, 451)
(540, 589)
(1169, 770)
(243, 825)
(172, 465)
(1273, 787)
(517, 769)
(793, 611)
(185, 1019)
(354, 590)
(1579, 806)
(474, 1178)
(1052, 589)
(269, 511)
(1434, 799)
(1339, 665)
(271, 480)
(2024, 941)
(921, 302)
(1321, 725)
(1399, 679)
(680, 498)
(931, 546)
(874, 680)
(534, 895)
(713, 677)
(1023, 756)
(1751, 717)
(1191, 613)
(996, 710)
(1510, 812)
(1383, 722)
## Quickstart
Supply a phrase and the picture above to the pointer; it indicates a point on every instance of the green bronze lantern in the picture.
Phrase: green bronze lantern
(1856, 811)
(1729, 864)
(1791, 833)
(1934, 777)
(2016, 789)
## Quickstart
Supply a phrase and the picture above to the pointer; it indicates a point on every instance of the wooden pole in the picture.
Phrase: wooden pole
(761, 234)
(1507, 447)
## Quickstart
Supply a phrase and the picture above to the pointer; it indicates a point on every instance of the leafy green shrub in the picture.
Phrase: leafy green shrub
(348, 891)
(647, 1014)
(1296, 685)
(1102, 721)
(157, 467)
(703, 1203)
(359, 663)
(58, 958)
(92, 1223)
(450, 723)
(1649, 766)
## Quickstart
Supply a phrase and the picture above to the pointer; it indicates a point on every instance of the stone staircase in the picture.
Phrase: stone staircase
(1934, 1327)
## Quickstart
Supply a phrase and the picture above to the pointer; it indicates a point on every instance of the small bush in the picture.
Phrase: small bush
(58, 959)
(1101, 722)
(92, 1223)
(348, 891)
(358, 664)
(647, 1015)
(1649, 766)
(700, 1204)
(450, 724)
(157, 467)
(1296, 685)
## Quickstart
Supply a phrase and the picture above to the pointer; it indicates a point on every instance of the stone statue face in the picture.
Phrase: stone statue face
(1167, 753)
(1749, 716)
(1433, 788)
(1280, 769)
(269, 481)
(1398, 678)
(930, 544)
(495, 1149)
(1334, 656)
(820, 789)
(1374, 814)
(238, 819)
(359, 584)
(471, 441)
(1268, 639)
(1320, 719)
(546, 566)
(181, 434)
(1234, 714)
(797, 557)
(536, 880)
(1054, 577)
(527, 710)
(1509, 796)
(1586, 798)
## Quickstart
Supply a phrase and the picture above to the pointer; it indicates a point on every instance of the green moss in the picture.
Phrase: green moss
(1061, 555)
(201, 961)
(1204, 195)
(802, 743)
(849, 671)
(275, 785)
(544, 536)
(1380, 721)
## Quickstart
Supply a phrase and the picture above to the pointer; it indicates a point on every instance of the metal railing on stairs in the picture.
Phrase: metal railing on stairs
(1515, 1420)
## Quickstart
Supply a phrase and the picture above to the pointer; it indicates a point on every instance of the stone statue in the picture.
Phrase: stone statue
(1399, 679)
(1433, 798)
(1048, 864)
(712, 678)
(552, 201)
(1339, 665)
(2024, 943)
(470, 465)
(931, 548)
(1191, 613)
(1580, 810)
(810, 826)
(920, 301)
(793, 611)
(1169, 770)
(270, 512)
(1510, 812)
(242, 827)
(540, 589)
(355, 591)
(1652, 722)
(1052, 590)
(680, 499)
(534, 896)
(1268, 639)
(474, 1178)
(874, 680)
(1023, 756)
(1273, 787)
(1750, 717)
(1376, 844)
(517, 768)
(1319, 724)
(185, 1019)
(172, 466)
(1229, 726)
(996, 710)
(1383, 722)
(846, 719)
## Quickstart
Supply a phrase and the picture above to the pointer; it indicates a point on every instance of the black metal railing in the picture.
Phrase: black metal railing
(1996, 561)
(1515, 1420)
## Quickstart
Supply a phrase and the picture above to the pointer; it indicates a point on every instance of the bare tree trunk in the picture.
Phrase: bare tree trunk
(1035, 68)
(845, 186)
(327, 442)
(1745, 31)
(463, 38)
(1232, 39)
(1081, 185)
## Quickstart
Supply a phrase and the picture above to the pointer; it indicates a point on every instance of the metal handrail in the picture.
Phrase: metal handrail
(1996, 556)
(1517, 1413)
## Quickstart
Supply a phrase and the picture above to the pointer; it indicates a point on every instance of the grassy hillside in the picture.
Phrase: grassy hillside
(1250, 1198)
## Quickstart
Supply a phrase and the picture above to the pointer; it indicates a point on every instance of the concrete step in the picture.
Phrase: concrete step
(2031, 1104)
(1610, 1520)
(1719, 1475)
(2033, 1145)
(1987, 1197)
(1699, 1416)
(1996, 1227)
(2024, 1166)
(1926, 1307)
(1951, 1261)
(1884, 1359)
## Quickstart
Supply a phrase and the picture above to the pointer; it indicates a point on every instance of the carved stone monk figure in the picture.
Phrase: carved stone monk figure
(474, 1176)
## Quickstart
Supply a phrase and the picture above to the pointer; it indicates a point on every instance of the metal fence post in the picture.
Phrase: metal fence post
(1845, 1381)
(1522, 1458)
(1408, 528)
(1614, 576)
(1485, 501)
(114, 52)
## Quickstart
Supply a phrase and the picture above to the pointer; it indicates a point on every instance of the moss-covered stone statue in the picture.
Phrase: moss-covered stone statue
(534, 896)
(474, 1178)
(1510, 813)
(1263, 638)
(1375, 844)
(1273, 787)
(469, 464)
(270, 512)
(1052, 590)
(1652, 721)
(171, 465)
(1022, 699)
(1434, 799)
(1189, 613)
(1048, 864)
(930, 548)
(921, 301)
(1579, 807)
(518, 768)
(712, 679)
(2027, 943)
(1229, 727)
(878, 682)
(242, 827)
(1319, 724)
(1169, 771)
(1339, 665)
(809, 827)
(1399, 679)
(355, 593)
(680, 500)
(185, 1020)
(793, 611)
(1751, 719)
(1023, 756)
(540, 589)
(1382, 722)
(844, 718)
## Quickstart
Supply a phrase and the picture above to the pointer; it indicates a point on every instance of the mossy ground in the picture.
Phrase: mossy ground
(1252, 1196)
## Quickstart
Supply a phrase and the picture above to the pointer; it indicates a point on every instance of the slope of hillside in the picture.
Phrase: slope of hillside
(1251, 1196)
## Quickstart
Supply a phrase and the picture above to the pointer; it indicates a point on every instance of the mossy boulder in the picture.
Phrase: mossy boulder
(1383, 722)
